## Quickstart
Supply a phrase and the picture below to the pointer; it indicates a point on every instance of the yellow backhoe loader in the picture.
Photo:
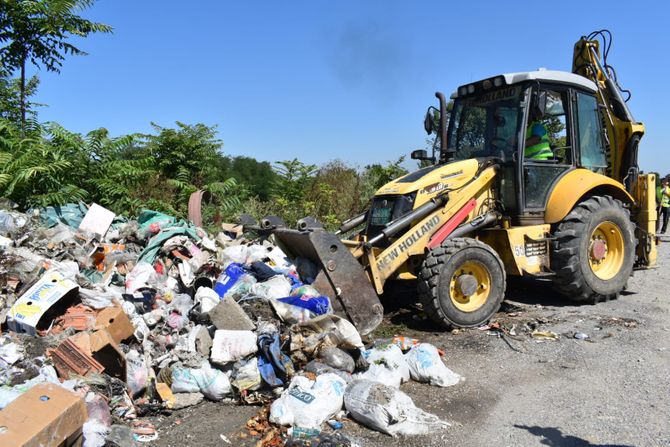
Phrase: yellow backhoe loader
(488, 206)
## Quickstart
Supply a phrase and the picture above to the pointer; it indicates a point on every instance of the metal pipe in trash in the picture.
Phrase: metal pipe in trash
(419, 213)
(352, 223)
(475, 224)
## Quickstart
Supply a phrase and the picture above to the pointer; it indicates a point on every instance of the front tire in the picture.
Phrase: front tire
(594, 250)
(461, 283)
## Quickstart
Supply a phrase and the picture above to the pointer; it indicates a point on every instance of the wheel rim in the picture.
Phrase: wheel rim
(467, 302)
(606, 250)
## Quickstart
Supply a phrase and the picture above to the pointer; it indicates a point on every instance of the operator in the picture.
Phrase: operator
(537, 142)
(664, 208)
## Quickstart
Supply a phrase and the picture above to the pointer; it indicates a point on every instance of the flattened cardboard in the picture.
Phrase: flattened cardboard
(41, 302)
(116, 322)
(45, 415)
(165, 394)
(97, 220)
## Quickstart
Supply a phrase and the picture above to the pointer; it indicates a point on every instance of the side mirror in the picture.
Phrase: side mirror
(419, 154)
(428, 123)
(431, 120)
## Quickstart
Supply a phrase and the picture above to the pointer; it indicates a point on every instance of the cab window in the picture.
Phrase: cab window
(590, 138)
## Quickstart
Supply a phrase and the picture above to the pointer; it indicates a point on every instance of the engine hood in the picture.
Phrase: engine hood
(429, 182)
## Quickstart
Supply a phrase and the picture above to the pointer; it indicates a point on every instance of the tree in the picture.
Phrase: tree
(38, 31)
(257, 176)
(10, 98)
(188, 153)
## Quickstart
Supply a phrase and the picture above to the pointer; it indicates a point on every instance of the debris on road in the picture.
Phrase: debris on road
(544, 335)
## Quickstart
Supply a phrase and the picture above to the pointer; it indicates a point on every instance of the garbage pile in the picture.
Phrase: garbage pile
(107, 321)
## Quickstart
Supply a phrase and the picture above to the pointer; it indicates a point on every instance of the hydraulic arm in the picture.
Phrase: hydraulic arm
(622, 133)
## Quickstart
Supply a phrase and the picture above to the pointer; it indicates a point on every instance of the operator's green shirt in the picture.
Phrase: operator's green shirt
(665, 197)
(541, 150)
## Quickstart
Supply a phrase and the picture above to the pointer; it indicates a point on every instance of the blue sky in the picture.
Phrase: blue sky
(346, 80)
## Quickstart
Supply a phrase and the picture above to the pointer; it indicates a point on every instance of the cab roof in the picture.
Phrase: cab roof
(561, 77)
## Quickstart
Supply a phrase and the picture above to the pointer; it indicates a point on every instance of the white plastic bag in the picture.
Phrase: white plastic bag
(276, 287)
(387, 365)
(290, 314)
(388, 410)
(243, 254)
(279, 258)
(236, 253)
(207, 298)
(230, 346)
(142, 276)
(425, 365)
(99, 299)
(99, 420)
(212, 383)
(306, 403)
(381, 374)
(137, 375)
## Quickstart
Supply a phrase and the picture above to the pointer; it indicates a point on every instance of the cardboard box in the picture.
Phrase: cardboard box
(46, 299)
(116, 322)
(100, 347)
(45, 415)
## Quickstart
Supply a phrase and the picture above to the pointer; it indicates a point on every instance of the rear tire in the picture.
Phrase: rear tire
(461, 264)
(594, 251)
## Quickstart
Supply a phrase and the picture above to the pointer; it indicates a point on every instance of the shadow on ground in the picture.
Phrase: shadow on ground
(401, 301)
(554, 437)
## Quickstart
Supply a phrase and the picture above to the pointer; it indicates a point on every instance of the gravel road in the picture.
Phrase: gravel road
(612, 389)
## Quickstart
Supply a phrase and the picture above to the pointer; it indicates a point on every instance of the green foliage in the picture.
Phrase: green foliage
(48, 165)
(10, 98)
(39, 32)
(257, 177)
(289, 194)
(376, 175)
(185, 155)
(36, 170)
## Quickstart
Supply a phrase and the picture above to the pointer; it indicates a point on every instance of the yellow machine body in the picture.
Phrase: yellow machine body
(464, 197)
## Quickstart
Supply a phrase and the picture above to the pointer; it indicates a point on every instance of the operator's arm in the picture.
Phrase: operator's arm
(537, 132)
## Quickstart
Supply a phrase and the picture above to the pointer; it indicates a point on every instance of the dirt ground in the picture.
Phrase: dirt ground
(612, 389)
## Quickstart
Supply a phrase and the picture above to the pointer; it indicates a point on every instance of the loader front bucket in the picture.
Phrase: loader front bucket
(340, 275)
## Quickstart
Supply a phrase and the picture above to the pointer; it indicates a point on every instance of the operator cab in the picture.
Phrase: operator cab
(538, 126)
